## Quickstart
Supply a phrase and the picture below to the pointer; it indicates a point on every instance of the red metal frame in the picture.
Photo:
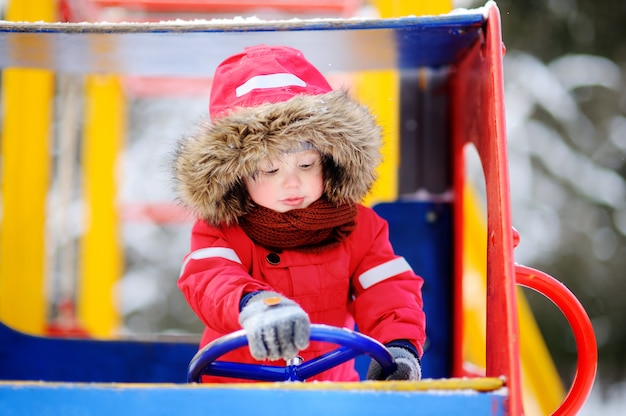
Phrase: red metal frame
(478, 112)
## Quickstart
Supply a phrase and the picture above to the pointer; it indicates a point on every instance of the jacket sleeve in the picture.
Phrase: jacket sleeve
(214, 277)
(387, 295)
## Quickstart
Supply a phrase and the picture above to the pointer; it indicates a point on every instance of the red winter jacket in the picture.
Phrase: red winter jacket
(361, 280)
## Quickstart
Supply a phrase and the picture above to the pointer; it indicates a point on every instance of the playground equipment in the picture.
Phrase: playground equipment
(448, 92)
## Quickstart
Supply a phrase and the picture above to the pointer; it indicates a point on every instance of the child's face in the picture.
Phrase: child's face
(291, 182)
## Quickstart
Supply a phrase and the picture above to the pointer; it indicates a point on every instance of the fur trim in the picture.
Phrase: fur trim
(210, 164)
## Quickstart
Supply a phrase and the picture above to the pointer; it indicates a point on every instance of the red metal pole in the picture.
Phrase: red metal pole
(479, 119)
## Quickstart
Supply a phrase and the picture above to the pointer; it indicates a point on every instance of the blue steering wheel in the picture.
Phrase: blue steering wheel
(351, 344)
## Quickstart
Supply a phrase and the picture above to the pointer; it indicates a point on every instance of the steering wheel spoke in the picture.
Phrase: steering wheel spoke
(326, 361)
(247, 371)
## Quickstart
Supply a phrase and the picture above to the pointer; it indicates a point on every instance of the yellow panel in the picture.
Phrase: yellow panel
(27, 103)
(474, 287)
(540, 379)
(25, 172)
(101, 258)
(397, 8)
(379, 91)
(31, 10)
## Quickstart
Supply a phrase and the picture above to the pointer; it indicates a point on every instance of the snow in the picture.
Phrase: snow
(367, 15)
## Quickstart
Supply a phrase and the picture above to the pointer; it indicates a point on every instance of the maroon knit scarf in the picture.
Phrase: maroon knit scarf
(320, 225)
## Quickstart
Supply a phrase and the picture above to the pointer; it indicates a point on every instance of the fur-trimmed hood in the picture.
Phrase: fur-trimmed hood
(210, 163)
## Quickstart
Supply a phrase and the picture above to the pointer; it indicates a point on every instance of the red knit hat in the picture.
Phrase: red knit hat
(263, 74)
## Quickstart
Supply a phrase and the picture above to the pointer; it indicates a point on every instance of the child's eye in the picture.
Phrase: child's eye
(307, 164)
(269, 171)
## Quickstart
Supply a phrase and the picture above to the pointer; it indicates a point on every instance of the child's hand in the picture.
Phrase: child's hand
(275, 326)
(408, 366)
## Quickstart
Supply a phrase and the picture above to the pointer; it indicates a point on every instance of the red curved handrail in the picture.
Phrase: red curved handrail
(584, 335)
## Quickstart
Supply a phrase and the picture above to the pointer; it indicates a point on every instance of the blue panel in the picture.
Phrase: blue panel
(435, 45)
(422, 233)
(25, 357)
(107, 400)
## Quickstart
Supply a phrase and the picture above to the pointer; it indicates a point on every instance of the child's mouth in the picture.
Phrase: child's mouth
(293, 202)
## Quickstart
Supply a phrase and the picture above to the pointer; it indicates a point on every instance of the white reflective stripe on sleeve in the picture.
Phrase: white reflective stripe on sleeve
(269, 81)
(384, 271)
(205, 253)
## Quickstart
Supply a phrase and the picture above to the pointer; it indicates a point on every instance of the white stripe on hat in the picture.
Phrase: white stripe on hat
(269, 81)
(209, 252)
(384, 271)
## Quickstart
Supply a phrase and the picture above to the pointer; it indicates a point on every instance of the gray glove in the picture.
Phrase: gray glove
(275, 326)
(408, 366)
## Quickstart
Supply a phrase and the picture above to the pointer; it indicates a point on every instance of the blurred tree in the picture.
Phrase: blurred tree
(556, 27)
(579, 178)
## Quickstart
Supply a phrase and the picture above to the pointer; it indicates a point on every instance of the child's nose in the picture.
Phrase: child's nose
(292, 179)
